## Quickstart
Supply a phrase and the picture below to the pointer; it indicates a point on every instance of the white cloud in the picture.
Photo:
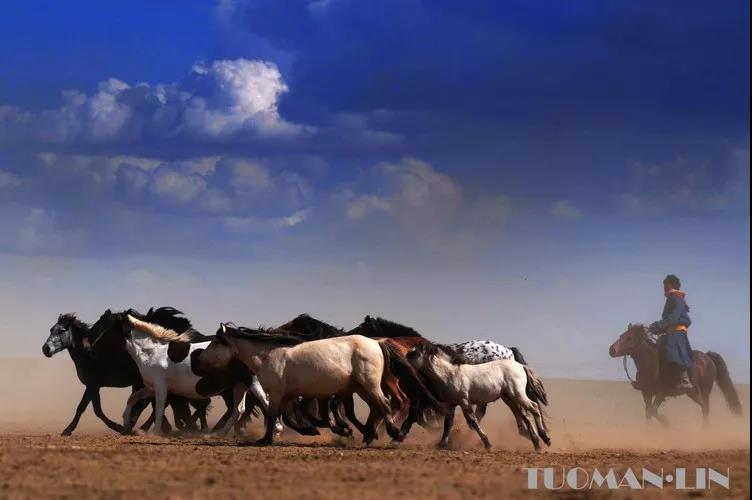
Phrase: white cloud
(216, 101)
(429, 205)
(565, 211)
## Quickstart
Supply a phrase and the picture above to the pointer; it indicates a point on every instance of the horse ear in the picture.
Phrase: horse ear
(629, 326)
(223, 328)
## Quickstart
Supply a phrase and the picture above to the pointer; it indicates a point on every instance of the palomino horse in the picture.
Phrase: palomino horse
(464, 385)
(289, 367)
(708, 367)
(169, 364)
(406, 387)
(102, 368)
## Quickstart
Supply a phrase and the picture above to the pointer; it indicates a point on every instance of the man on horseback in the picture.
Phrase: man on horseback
(672, 328)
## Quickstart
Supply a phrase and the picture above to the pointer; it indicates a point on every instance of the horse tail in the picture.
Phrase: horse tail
(724, 382)
(407, 376)
(518, 356)
(534, 388)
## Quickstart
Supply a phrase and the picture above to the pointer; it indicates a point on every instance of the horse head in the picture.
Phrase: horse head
(111, 329)
(631, 339)
(62, 334)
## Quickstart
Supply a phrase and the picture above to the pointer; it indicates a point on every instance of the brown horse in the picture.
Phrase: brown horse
(708, 367)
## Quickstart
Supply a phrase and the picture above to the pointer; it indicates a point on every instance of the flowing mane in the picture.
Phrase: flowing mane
(278, 337)
(310, 328)
(167, 317)
(380, 327)
(158, 332)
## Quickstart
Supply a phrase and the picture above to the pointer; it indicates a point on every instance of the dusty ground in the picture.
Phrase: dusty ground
(593, 424)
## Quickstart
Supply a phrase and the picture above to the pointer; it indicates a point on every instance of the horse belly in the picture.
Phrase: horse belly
(182, 381)
(310, 379)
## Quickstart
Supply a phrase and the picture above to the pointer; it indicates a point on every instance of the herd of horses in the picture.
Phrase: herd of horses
(303, 374)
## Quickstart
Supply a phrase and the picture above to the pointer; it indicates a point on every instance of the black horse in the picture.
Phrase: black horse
(104, 367)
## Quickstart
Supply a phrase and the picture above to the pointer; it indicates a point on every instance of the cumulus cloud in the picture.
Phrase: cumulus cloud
(216, 101)
(410, 190)
(566, 211)
(430, 205)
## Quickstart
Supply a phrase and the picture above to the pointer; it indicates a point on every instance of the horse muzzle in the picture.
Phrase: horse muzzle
(613, 352)
(47, 351)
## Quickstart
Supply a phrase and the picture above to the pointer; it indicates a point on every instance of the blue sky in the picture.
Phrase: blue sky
(521, 172)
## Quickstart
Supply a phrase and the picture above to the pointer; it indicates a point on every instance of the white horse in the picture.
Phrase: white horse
(464, 385)
(168, 365)
(288, 367)
(476, 352)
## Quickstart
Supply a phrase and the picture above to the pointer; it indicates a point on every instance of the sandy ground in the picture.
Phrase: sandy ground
(593, 425)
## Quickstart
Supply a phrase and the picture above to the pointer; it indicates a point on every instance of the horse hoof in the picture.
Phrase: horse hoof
(66, 432)
(443, 445)
(263, 442)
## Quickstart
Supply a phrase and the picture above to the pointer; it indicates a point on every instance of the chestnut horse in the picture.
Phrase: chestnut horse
(708, 367)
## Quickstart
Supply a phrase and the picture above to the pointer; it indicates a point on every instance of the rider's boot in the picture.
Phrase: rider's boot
(684, 383)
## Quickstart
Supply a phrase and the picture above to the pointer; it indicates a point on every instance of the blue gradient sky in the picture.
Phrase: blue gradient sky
(521, 172)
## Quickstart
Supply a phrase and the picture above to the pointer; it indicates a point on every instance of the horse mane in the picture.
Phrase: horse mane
(380, 327)
(649, 338)
(158, 332)
(432, 349)
(272, 336)
(309, 327)
(167, 317)
(71, 320)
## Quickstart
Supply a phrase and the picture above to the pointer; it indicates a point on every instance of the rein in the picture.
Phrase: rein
(626, 370)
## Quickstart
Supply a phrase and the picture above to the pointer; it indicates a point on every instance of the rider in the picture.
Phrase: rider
(673, 328)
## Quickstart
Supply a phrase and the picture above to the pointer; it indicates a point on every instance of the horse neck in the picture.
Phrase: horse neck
(442, 370)
(141, 346)
(253, 352)
(644, 357)
(77, 350)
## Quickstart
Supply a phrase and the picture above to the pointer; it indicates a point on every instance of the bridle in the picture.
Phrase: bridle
(644, 339)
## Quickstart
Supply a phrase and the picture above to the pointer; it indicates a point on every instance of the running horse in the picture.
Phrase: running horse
(287, 367)
(101, 367)
(403, 384)
(708, 367)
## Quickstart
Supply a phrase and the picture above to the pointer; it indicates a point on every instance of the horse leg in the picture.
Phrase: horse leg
(341, 426)
(380, 412)
(293, 423)
(448, 424)
(349, 405)
(648, 399)
(238, 406)
(480, 411)
(85, 398)
(160, 401)
(276, 401)
(467, 411)
(97, 404)
(228, 399)
(657, 402)
(135, 397)
(413, 415)
(250, 406)
(182, 413)
(521, 428)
